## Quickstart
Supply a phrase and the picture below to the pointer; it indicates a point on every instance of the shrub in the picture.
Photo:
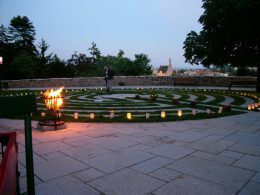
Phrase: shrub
(175, 101)
(153, 97)
(193, 104)
(137, 96)
(226, 108)
(121, 83)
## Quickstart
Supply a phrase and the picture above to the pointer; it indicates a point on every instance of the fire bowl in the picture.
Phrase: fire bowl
(51, 125)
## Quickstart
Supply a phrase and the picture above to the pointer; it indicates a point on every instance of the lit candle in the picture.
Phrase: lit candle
(256, 105)
(253, 106)
(91, 115)
(147, 115)
(193, 112)
(42, 114)
(59, 114)
(163, 114)
(249, 107)
(129, 116)
(208, 111)
(76, 115)
(220, 110)
(179, 113)
(112, 114)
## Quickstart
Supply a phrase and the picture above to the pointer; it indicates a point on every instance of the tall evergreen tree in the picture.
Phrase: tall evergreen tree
(22, 34)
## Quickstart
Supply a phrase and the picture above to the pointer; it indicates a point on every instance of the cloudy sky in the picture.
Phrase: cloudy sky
(157, 28)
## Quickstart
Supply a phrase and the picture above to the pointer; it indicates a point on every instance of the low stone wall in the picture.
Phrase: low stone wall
(123, 81)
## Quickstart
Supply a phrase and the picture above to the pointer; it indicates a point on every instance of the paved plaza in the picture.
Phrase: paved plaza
(213, 156)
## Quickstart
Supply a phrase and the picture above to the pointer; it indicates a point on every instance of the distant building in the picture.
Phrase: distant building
(165, 70)
(202, 72)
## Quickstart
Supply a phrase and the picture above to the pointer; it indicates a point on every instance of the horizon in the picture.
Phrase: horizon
(157, 29)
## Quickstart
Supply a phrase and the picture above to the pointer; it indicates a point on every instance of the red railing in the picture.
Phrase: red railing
(8, 166)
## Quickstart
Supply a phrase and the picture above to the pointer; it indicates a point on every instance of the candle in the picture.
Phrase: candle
(129, 116)
(76, 115)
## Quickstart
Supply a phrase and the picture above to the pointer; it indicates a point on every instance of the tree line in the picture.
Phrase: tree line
(23, 59)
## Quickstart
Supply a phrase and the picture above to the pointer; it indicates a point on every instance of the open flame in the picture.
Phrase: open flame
(53, 99)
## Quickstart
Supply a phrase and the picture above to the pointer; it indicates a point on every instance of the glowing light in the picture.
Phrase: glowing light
(147, 115)
(249, 107)
(91, 115)
(163, 114)
(194, 112)
(76, 115)
(179, 113)
(220, 110)
(129, 116)
(53, 99)
(208, 111)
(112, 114)
(42, 114)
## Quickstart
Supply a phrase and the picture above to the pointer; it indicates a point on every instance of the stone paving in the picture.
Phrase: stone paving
(214, 156)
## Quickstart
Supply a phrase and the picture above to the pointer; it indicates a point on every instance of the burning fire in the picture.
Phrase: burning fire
(53, 99)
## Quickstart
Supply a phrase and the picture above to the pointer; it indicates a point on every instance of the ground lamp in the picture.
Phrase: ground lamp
(249, 107)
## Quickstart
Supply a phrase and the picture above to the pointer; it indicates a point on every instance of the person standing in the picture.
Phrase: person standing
(110, 77)
(106, 76)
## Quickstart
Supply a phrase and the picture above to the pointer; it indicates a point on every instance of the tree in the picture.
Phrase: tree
(56, 68)
(142, 65)
(230, 35)
(94, 51)
(23, 67)
(22, 34)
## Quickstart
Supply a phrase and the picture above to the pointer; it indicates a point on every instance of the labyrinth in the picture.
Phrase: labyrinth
(146, 104)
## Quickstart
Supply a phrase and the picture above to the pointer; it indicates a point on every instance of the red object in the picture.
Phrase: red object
(8, 166)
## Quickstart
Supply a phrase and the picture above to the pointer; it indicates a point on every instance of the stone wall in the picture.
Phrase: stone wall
(124, 81)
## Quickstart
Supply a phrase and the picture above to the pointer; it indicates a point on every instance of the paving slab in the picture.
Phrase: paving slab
(213, 148)
(171, 151)
(232, 177)
(58, 167)
(88, 175)
(246, 148)
(220, 155)
(117, 160)
(247, 138)
(67, 185)
(151, 164)
(192, 186)
(128, 182)
(249, 162)
(188, 136)
(112, 142)
(213, 157)
(85, 152)
(251, 188)
(165, 174)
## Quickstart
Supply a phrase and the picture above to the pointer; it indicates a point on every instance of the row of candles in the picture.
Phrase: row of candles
(129, 114)
(253, 106)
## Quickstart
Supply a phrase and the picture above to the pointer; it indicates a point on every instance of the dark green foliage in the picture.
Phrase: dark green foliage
(230, 35)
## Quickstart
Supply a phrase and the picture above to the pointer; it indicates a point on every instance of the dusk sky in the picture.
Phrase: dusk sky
(157, 28)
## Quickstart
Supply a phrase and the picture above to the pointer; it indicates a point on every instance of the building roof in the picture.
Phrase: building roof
(163, 69)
